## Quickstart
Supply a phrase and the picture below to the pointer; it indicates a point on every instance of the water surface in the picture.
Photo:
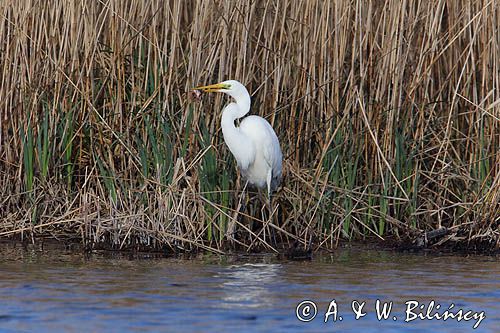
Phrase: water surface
(48, 291)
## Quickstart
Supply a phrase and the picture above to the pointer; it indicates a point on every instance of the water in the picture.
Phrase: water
(62, 291)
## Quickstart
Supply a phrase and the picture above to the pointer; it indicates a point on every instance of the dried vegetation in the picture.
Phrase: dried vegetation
(388, 113)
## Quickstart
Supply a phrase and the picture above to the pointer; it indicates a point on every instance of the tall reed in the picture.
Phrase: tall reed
(387, 113)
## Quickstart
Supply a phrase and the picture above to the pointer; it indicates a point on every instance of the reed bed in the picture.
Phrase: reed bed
(387, 112)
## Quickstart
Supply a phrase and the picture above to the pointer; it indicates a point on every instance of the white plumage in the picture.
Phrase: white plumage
(254, 143)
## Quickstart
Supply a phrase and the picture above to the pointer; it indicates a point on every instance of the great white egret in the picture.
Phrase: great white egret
(254, 143)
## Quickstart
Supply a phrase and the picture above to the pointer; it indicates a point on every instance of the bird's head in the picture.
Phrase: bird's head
(231, 87)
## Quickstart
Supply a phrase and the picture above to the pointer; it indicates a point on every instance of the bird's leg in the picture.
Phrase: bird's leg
(243, 199)
(264, 223)
(239, 208)
(271, 211)
(267, 209)
(270, 206)
(271, 215)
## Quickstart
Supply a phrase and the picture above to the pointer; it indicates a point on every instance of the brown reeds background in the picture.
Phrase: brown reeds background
(387, 113)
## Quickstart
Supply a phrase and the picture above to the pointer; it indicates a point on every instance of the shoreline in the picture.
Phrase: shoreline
(284, 252)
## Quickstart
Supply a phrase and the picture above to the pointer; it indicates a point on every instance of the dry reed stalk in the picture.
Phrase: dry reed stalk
(387, 112)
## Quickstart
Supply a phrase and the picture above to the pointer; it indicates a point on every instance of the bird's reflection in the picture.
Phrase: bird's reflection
(250, 285)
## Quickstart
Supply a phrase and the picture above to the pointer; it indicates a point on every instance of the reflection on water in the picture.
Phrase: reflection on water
(248, 285)
(61, 291)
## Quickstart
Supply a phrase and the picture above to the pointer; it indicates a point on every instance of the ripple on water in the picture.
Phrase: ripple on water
(47, 291)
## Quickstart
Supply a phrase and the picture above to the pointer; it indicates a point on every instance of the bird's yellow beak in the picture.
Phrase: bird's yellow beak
(214, 87)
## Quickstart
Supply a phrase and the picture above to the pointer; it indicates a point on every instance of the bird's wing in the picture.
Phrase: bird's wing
(265, 139)
(272, 155)
(276, 168)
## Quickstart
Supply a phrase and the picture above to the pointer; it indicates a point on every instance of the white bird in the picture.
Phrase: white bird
(254, 143)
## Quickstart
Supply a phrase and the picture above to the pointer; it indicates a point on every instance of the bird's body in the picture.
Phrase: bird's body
(266, 163)
(254, 143)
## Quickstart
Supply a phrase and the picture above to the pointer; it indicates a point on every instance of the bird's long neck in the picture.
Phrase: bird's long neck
(235, 140)
(241, 107)
(236, 110)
